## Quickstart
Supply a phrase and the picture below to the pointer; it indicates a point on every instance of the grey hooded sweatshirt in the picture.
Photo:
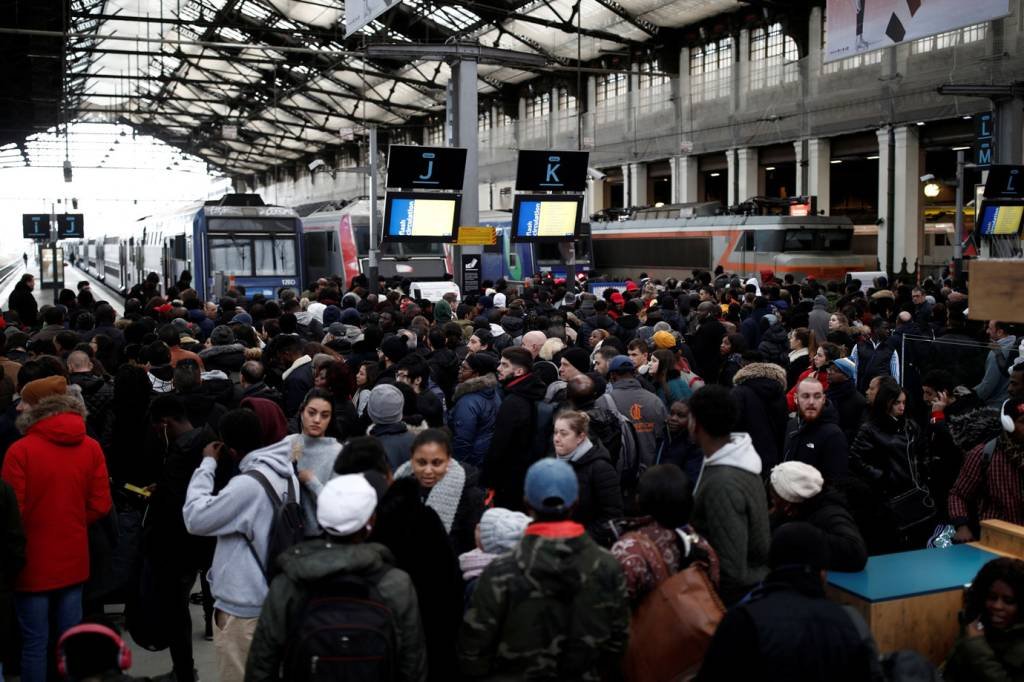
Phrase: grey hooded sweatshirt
(241, 510)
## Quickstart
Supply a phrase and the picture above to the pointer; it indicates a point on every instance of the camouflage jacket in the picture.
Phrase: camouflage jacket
(555, 608)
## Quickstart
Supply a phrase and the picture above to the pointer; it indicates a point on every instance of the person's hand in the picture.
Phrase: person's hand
(975, 629)
(213, 450)
(941, 401)
(963, 534)
(305, 476)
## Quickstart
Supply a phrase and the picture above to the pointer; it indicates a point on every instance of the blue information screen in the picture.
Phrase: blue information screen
(412, 217)
(1000, 219)
(543, 218)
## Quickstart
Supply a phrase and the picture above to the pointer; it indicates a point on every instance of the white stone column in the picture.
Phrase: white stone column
(634, 177)
(883, 195)
(908, 197)
(743, 174)
(595, 196)
(684, 179)
(819, 175)
(798, 148)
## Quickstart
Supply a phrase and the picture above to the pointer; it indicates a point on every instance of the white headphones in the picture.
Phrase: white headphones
(1008, 422)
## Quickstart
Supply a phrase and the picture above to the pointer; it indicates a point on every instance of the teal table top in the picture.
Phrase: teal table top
(910, 574)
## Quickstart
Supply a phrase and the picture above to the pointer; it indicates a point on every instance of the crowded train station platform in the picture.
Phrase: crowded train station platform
(572, 341)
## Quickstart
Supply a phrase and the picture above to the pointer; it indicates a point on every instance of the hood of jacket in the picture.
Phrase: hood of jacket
(601, 321)
(529, 387)
(276, 457)
(629, 322)
(59, 419)
(218, 351)
(553, 564)
(316, 559)
(487, 384)
(739, 452)
(89, 383)
(761, 370)
(829, 415)
(273, 424)
(512, 325)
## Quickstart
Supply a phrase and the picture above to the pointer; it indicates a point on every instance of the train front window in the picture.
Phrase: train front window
(818, 240)
(238, 224)
(231, 256)
(274, 256)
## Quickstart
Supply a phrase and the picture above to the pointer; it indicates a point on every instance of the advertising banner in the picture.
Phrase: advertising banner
(858, 26)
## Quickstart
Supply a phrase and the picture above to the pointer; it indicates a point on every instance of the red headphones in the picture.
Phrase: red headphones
(124, 654)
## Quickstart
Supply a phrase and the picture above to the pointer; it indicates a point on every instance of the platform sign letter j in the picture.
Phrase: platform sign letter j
(429, 158)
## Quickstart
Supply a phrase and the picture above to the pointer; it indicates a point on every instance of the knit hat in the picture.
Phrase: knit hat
(621, 363)
(386, 404)
(847, 367)
(499, 300)
(350, 316)
(395, 348)
(180, 325)
(546, 371)
(501, 529)
(222, 335)
(796, 482)
(332, 314)
(336, 329)
(798, 544)
(551, 485)
(345, 504)
(664, 340)
(771, 319)
(578, 358)
(34, 391)
(242, 318)
(482, 363)
(820, 300)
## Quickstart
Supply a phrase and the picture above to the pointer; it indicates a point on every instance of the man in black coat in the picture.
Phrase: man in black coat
(23, 302)
(759, 392)
(814, 436)
(706, 341)
(799, 493)
(519, 429)
(787, 629)
(842, 394)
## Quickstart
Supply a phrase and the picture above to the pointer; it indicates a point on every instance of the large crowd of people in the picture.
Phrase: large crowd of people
(506, 486)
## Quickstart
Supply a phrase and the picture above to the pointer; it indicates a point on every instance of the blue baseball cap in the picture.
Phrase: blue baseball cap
(846, 366)
(551, 485)
(621, 363)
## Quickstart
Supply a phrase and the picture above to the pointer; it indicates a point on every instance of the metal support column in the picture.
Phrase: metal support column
(374, 223)
(466, 134)
(958, 236)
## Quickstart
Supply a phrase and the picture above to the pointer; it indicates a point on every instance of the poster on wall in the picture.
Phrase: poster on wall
(858, 26)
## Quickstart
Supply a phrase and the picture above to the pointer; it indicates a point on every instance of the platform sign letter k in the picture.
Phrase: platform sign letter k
(552, 174)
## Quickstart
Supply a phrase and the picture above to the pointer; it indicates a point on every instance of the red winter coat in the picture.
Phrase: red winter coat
(59, 477)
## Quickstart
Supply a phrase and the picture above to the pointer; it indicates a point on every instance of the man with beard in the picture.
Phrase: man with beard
(814, 436)
(521, 430)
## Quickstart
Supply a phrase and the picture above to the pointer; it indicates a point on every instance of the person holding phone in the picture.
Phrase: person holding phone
(991, 646)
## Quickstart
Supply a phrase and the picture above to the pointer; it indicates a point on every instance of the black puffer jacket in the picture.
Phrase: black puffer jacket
(227, 358)
(98, 396)
(760, 397)
(882, 453)
(600, 496)
(513, 443)
(827, 512)
(775, 345)
(820, 443)
(849, 404)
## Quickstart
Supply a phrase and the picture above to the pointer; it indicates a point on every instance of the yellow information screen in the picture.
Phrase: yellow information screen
(421, 217)
(997, 219)
(546, 219)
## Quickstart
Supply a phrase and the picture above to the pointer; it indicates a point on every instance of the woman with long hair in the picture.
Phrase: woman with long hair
(666, 377)
(731, 349)
(991, 644)
(366, 379)
(826, 354)
(885, 456)
(333, 376)
(802, 347)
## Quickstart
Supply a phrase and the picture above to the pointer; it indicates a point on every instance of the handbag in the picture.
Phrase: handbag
(672, 628)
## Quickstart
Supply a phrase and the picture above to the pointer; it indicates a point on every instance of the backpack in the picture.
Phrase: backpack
(672, 628)
(543, 423)
(627, 464)
(287, 528)
(345, 631)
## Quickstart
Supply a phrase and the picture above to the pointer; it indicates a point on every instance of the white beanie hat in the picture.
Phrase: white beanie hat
(501, 529)
(796, 481)
(345, 504)
(499, 300)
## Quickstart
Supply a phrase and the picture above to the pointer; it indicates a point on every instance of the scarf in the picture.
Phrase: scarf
(446, 494)
(581, 449)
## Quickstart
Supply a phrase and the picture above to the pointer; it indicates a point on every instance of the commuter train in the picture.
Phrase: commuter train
(233, 240)
(671, 240)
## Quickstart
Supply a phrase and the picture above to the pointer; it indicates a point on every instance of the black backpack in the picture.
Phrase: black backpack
(286, 529)
(345, 631)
